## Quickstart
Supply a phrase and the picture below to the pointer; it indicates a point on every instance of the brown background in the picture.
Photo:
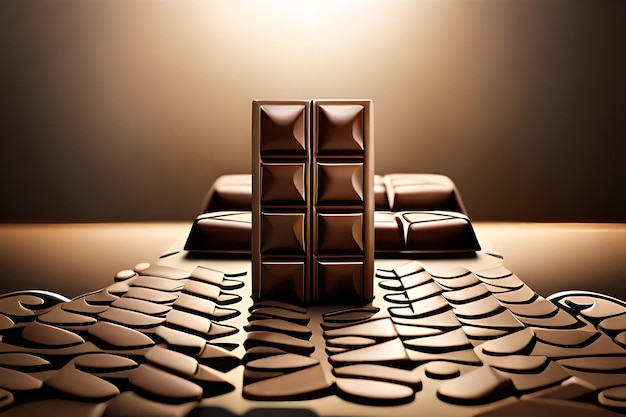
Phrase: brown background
(128, 110)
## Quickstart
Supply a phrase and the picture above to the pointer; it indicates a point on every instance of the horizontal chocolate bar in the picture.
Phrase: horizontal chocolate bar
(392, 192)
(436, 231)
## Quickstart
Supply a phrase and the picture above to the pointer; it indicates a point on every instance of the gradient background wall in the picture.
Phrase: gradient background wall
(128, 110)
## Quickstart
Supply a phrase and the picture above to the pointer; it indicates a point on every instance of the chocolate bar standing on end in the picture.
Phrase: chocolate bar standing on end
(342, 189)
(312, 201)
(280, 209)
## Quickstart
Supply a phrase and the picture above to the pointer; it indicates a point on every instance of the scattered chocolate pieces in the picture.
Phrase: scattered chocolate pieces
(166, 340)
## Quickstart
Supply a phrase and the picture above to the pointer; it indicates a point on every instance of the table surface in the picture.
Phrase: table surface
(72, 259)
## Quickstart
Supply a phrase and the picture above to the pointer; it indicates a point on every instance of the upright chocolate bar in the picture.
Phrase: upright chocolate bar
(342, 204)
(280, 209)
(312, 201)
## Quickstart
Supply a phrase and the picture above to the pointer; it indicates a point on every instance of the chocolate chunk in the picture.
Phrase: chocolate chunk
(232, 192)
(527, 382)
(5, 322)
(569, 389)
(307, 383)
(523, 295)
(154, 296)
(516, 343)
(102, 297)
(614, 398)
(414, 294)
(452, 272)
(23, 361)
(119, 337)
(198, 324)
(279, 340)
(422, 191)
(141, 306)
(211, 292)
(566, 338)
(172, 360)
(465, 280)
(516, 363)
(483, 307)
(204, 307)
(422, 308)
(613, 325)
(373, 391)
(163, 272)
(502, 320)
(475, 333)
(601, 364)
(158, 283)
(389, 236)
(6, 398)
(377, 329)
(389, 352)
(602, 345)
(125, 275)
(480, 386)
(261, 351)
(283, 326)
(465, 356)
(437, 231)
(59, 317)
(540, 308)
(221, 232)
(103, 363)
(445, 342)
(467, 294)
(287, 362)
(495, 273)
(214, 277)
(218, 358)
(441, 370)
(350, 342)
(19, 306)
(13, 380)
(131, 319)
(181, 340)
(445, 320)
(77, 383)
(81, 306)
(406, 331)
(164, 386)
(119, 288)
(46, 335)
(380, 373)
(408, 268)
(350, 315)
(280, 313)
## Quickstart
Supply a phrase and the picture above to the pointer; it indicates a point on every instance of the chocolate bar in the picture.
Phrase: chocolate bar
(312, 204)
(429, 216)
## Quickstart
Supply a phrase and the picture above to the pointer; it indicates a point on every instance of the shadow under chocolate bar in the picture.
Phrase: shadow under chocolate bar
(415, 214)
